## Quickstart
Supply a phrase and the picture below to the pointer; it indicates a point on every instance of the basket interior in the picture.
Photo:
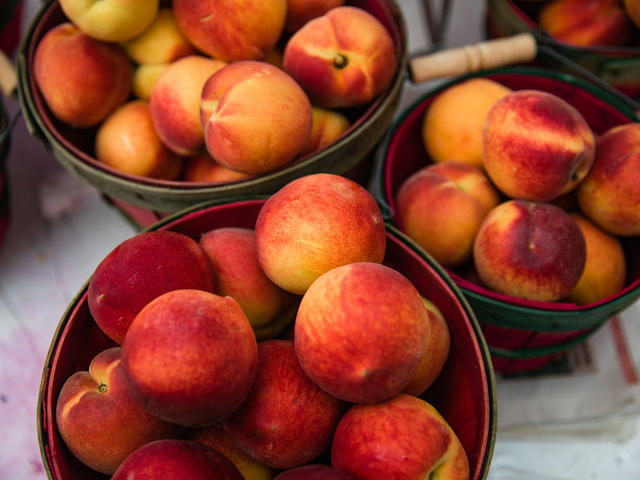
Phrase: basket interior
(464, 392)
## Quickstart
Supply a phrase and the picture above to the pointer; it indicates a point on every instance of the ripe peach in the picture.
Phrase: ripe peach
(441, 207)
(238, 273)
(232, 29)
(451, 137)
(203, 168)
(190, 357)
(175, 103)
(256, 118)
(436, 353)
(536, 145)
(632, 8)
(610, 195)
(300, 12)
(403, 437)
(344, 58)
(81, 79)
(605, 270)
(217, 438)
(160, 42)
(138, 270)
(99, 418)
(145, 77)
(586, 23)
(530, 250)
(287, 420)
(111, 20)
(361, 332)
(128, 142)
(176, 460)
(315, 223)
(313, 471)
(326, 127)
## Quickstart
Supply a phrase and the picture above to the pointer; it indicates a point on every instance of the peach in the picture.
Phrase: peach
(403, 437)
(530, 250)
(451, 137)
(160, 42)
(256, 118)
(100, 420)
(326, 127)
(610, 195)
(300, 12)
(145, 77)
(232, 29)
(586, 23)
(313, 471)
(436, 353)
(175, 103)
(441, 207)
(190, 357)
(536, 146)
(632, 8)
(138, 270)
(98, 83)
(344, 58)
(316, 223)
(111, 20)
(203, 168)
(176, 460)
(361, 332)
(128, 142)
(217, 438)
(287, 420)
(605, 270)
(238, 273)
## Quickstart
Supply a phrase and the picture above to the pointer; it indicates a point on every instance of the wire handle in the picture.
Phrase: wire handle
(520, 48)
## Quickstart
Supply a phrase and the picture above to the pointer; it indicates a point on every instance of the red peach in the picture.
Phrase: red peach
(316, 223)
(190, 357)
(203, 168)
(361, 332)
(232, 29)
(313, 472)
(256, 118)
(140, 269)
(530, 250)
(441, 207)
(99, 418)
(81, 79)
(175, 102)
(536, 145)
(300, 12)
(610, 195)
(176, 460)
(344, 58)
(401, 438)
(326, 127)
(287, 420)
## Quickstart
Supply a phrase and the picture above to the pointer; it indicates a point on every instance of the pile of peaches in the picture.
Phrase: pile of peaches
(285, 351)
(211, 91)
(522, 196)
(589, 23)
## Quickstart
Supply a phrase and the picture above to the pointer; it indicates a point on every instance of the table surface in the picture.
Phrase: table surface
(60, 230)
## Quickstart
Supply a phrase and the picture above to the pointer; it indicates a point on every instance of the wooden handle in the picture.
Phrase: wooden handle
(480, 56)
(8, 76)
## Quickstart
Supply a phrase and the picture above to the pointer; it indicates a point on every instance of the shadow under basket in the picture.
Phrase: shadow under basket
(522, 335)
(619, 66)
(74, 148)
(464, 392)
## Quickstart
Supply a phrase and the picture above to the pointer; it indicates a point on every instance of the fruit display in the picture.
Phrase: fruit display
(209, 382)
(554, 201)
(231, 87)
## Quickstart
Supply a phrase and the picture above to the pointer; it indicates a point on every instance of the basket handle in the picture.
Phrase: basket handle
(520, 48)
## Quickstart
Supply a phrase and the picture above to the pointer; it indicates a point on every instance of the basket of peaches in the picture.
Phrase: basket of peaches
(162, 105)
(523, 183)
(295, 336)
